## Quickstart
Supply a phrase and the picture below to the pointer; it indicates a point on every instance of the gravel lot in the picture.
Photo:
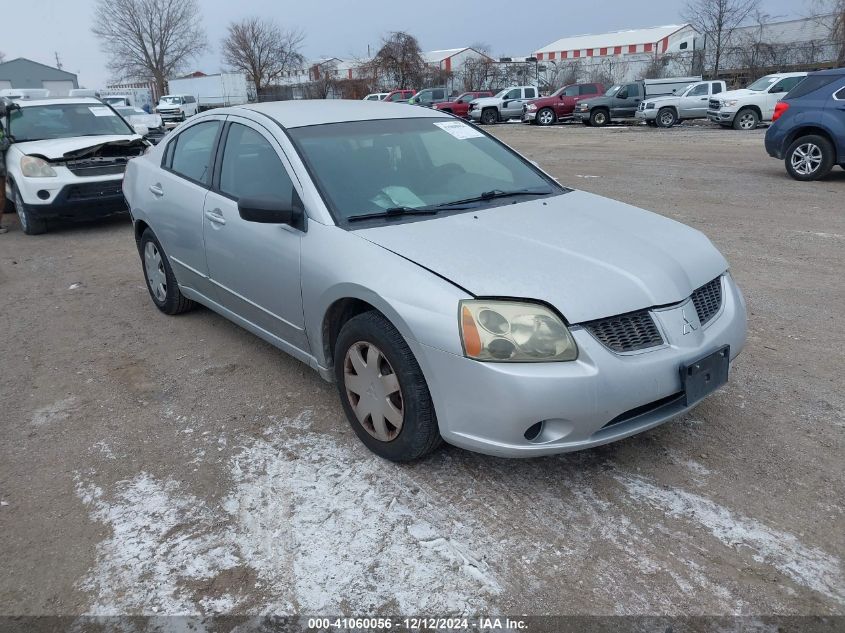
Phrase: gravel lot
(151, 464)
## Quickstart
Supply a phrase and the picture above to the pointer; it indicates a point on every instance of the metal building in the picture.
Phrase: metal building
(25, 73)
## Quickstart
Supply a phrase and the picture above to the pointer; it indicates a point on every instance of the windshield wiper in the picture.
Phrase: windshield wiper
(495, 193)
(394, 212)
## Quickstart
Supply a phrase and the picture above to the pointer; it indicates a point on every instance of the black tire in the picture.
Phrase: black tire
(666, 118)
(489, 116)
(817, 158)
(173, 301)
(586, 122)
(30, 224)
(419, 433)
(651, 123)
(746, 119)
(546, 114)
(599, 118)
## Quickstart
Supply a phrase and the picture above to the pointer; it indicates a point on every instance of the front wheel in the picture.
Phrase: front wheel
(809, 158)
(490, 116)
(546, 116)
(599, 118)
(383, 391)
(30, 224)
(161, 282)
(746, 120)
(666, 118)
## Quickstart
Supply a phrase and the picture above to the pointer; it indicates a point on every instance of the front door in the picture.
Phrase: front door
(626, 101)
(694, 104)
(254, 267)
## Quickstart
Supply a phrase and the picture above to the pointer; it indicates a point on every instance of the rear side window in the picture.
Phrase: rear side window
(438, 94)
(717, 87)
(840, 95)
(193, 152)
(251, 167)
(587, 89)
(811, 84)
(530, 93)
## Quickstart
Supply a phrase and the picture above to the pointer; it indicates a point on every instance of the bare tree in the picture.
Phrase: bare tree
(831, 14)
(400, 60)
(149, 38)
(262, 50)
(2, 57)
(657, 65)
(716, 20)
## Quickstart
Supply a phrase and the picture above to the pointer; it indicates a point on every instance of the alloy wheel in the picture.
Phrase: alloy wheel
(373, 390)
(154, 267)
(667, 119)
(806, 159)
(546, 117)
(748, 121)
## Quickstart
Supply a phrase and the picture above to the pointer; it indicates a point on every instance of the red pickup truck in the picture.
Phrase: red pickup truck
(460, 105)
(560, 105)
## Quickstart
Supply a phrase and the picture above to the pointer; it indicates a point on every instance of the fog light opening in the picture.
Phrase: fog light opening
(533, 431)
(43, 194)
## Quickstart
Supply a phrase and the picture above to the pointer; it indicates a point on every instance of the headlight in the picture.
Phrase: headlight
(532, 106)
(34, 167)
(729, 102)
(513, 331)
(583, 107)
(649, 106)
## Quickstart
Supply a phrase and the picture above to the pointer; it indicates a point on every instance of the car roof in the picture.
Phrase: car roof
(830, 71)
(302, 112)
(25, 103)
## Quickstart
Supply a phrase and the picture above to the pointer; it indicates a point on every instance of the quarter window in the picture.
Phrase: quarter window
(192, 155)
(251, 167)
(840, 95)
(717, 87)
(530, 93)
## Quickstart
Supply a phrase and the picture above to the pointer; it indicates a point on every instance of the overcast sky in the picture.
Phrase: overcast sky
(339, 28)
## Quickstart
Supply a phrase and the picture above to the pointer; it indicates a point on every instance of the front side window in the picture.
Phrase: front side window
(252, 168)
(785, 85)
(192, 154)
(698, 91)
(36, 123)
(513, 94)
(632, 90)
(366, 167)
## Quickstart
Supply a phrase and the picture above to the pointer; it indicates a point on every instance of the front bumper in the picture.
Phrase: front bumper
(646, 115)
(167, 117)
(581, 116)
(488, 407)
(82, 201)
(722, 117)
(474, 115)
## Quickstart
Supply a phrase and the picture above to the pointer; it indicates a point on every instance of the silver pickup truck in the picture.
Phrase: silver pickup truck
(689, 103)
(507, 104)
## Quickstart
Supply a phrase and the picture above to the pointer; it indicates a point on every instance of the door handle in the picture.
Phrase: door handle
(215, 216)
(156, 190)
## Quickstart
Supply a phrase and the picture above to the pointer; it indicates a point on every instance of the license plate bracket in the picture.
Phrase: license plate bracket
(702, 377)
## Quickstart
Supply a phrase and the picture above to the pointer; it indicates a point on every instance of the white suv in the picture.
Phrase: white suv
(66, 160)
(745, 109)
(507, 104)
(176, 108)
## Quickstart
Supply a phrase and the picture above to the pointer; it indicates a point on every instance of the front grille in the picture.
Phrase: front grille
(626, 332)
(650, 408)
(708, 300)
(641, 107)
(97, 168)
(715, 104)
(93, 190)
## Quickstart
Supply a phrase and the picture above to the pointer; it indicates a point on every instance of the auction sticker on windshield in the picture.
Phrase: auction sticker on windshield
(101, 111)
(458, 129)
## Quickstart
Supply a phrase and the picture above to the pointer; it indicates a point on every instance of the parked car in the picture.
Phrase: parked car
(690, 103)
(375, 96)
(621, 101)
(137, 117)
(808, 126)
(395, 96)
(745, 109)
(429, 96)
(423, 265)
(506, 105)
(66, 160)
(118, 100)
(176, 108)
(560, 105)
(459, 106)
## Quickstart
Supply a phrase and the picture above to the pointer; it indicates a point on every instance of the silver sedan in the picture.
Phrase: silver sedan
(449, 287)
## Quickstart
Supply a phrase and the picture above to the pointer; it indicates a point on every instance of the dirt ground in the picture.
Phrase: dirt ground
(151, 464)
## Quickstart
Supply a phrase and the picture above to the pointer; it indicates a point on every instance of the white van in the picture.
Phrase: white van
(177, 108)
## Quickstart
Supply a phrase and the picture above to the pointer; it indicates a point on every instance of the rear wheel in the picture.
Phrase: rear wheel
(809, 158)
(746, 119)
(666, 117)
(383, 390)
(546, 116)
(490, 116)
(599, 118)
(30, 224)
(161, 282)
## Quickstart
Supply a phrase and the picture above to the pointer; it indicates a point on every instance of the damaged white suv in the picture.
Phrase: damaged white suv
(66, 159)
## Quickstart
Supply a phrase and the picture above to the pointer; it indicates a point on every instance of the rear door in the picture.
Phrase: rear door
(177, 194)
(254, 267)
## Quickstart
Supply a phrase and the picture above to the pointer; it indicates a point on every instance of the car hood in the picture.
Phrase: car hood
(663, 99)
(57, 149)
(596, 101)
(588, 256)
(733, 94)
(483, 101)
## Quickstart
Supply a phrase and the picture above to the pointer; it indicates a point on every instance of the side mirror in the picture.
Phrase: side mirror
(141, 129)
(267, 210)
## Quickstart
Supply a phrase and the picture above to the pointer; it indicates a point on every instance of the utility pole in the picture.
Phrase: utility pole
(58, 61)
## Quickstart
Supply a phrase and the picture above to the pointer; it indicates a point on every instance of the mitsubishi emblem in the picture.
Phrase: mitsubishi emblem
(689, 326)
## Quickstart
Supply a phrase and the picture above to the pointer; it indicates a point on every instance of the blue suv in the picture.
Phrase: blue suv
(808, 129)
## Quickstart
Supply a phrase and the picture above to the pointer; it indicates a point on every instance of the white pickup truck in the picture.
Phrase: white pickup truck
(689, 103)
(745, 109)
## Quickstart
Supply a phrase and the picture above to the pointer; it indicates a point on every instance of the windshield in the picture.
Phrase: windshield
(612, 91)
(366, 167)
(171, 100)
(36, 123)
(764, 83)
(501, 94)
